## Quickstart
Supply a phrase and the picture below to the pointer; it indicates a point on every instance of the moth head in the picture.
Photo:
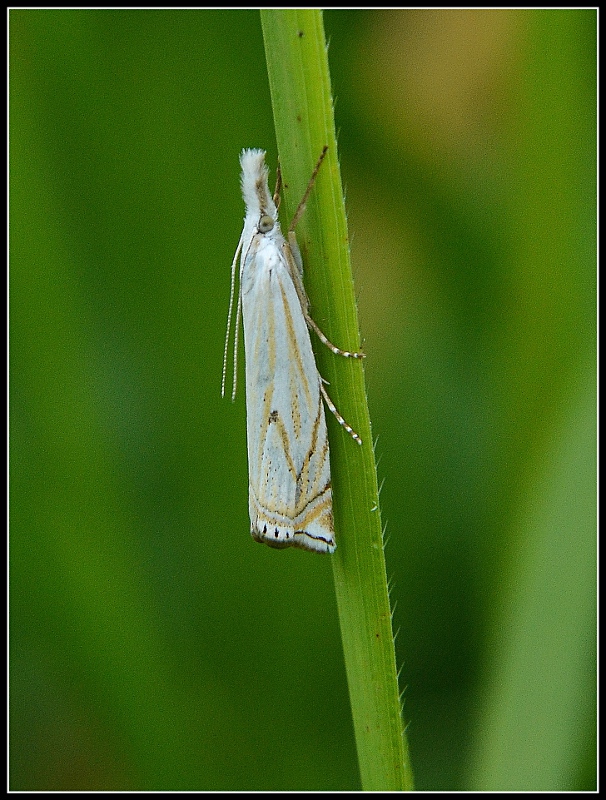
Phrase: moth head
(255, 191)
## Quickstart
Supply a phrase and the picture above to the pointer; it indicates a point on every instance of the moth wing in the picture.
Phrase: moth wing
(288, 457)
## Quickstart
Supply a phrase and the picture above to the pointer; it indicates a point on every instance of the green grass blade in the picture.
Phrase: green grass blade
(300, 88)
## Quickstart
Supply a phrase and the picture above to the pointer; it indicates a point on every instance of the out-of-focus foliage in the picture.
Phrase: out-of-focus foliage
(153, 644)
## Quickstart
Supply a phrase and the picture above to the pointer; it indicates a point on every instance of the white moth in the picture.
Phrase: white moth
(290, 495)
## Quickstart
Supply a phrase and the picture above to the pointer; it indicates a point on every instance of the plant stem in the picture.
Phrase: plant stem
(300, 89)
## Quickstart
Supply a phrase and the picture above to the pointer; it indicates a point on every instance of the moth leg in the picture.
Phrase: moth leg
(340, 419)
(296, 253)
(328, 343)
(292, 256)
(312, 180)
(277, 196)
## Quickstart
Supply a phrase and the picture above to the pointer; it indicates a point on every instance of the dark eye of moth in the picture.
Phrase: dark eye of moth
(266, 223)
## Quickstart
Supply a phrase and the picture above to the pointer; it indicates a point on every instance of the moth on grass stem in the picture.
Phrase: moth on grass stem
(290, 493)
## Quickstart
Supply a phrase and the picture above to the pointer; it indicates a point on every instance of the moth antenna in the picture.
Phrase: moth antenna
(236, 334)
(229, 313)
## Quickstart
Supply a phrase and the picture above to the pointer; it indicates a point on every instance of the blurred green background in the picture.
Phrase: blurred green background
(153, 645)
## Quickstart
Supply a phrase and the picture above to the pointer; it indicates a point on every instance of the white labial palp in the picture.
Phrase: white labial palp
(290, 494)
